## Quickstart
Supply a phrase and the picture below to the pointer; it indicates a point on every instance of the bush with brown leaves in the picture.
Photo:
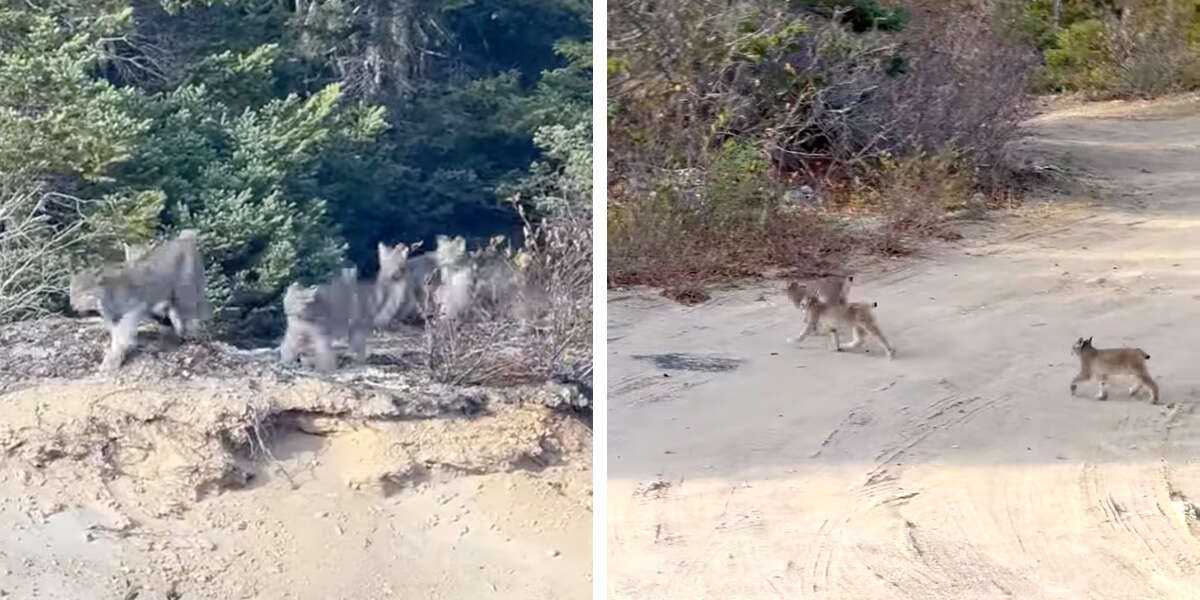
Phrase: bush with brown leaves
(720, 112)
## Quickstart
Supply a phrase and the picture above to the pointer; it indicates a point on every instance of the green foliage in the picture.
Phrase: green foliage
(563, 96)
(238, 79)
(863, 15)
(128, 216)
(757, 45)
(562, 182)
(617, 66)
(293, 141)
(1132, 47)
(737, 181)
(1081, 58)
(243, 181)
(561, 109)
(1039, 23)
(54, 116)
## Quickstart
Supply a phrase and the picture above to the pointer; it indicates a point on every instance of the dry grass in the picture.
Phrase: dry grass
(884, 215)
(688, 295)
(541, 329)
(34, 247)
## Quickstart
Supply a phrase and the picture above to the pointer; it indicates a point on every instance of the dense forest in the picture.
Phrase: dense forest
(728, 118)
(294, 134)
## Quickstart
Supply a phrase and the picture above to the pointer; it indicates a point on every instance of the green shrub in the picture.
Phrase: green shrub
(1083, 57)
(862, 15)
(1146, 48)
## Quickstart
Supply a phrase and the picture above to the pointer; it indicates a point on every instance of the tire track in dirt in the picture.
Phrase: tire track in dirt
(881, 492)
(942, 415)
(856, 418)
(1129, 499)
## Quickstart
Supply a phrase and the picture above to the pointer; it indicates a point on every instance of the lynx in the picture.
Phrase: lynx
(439, 282)
(456, 277)
(802, 196)
(168, 278)
(790, 201)
(830, 289)
(856, 318)
(1100, 363)
(343, 308)
(159, 312)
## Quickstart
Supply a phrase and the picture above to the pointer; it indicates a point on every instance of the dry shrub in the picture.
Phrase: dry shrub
(1157, 47)
(35, 247)
(475, 352)
(687, 295)
(1130, 48)
(539, 329)
(964, 90)
(678, 247)
(718, 109)
(911, 198)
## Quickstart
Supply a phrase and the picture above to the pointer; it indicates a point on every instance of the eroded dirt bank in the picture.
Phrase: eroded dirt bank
(204, 472)
(742, 467)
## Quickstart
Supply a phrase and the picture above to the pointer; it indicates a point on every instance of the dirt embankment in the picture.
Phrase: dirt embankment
(742, 467)
(201, 471)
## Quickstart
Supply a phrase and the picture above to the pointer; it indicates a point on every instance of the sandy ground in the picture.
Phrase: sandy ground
(123, 490)
(741, 467)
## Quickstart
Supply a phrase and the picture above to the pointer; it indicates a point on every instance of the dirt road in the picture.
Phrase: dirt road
(741, 467)
(285, 486)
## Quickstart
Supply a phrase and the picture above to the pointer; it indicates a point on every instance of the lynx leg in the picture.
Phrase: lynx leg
(323, 357)
(1103, 393)
(1136, 388)
(1145, 378)
(878, 335)
(441, 298)
(177, 321)
(1083, 376)
(358, 344)
(809, 327)
(124, 338)
(289, 350)
(194, 325)
(833, 339)
(792, 339)
(856, 339)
